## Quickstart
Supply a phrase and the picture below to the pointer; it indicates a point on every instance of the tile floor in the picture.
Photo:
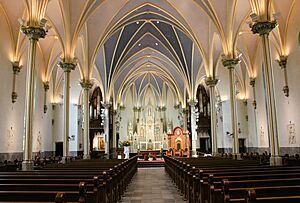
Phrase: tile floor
(152, 185)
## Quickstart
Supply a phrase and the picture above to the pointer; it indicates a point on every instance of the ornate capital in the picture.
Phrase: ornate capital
(211, 82)
(86, 84)
(252, 82)
(230, 62)
(163, 108)
(282, 61)
(67, 67)
(193, 102)
(107, 105)
(136, 109)
(263, 28)
(176, 106)
(46, 86)
(34, 33)
(16, 67)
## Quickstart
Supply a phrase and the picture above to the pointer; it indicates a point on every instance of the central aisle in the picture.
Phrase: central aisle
(152, 185)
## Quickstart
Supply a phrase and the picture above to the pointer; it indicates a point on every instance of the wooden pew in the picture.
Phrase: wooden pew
(265, 196)
(104, 181)
(271, 189)
(193, 182)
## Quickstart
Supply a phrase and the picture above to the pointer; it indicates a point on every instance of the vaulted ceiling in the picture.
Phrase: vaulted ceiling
(138, 44)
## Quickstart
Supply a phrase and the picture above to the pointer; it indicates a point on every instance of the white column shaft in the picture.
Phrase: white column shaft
(194, 130)
(86, 120)
(29, 102)
(106, 129)
(66, 113)
(270, 96)
(213, 121)
(235, 141)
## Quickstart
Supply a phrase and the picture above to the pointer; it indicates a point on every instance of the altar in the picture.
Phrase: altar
(154, 153)
(146, 131)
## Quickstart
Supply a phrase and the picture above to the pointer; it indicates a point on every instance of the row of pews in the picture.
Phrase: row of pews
(83, 181)
(220, 180)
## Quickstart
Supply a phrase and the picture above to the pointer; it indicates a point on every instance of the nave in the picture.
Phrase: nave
(151, 185)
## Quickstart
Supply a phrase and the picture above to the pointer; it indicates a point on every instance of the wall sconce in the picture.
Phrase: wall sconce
(282, 61)
(46, 88)
(229, 134)
(252, 83)
(16, 69)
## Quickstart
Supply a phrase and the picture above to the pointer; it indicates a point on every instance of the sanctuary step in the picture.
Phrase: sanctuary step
(154, 163)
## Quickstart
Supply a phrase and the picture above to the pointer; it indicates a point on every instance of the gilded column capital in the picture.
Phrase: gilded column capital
(86, 84)
(282, 61)
(193, 102)
(136, 109)
(16, 67)
(33, 33)
(46, 85)
(211, 82)
(106, 105)
(230, 62)
(252, 82)
(176, 106)
(163, 108)
(263, 28)
(67, 66)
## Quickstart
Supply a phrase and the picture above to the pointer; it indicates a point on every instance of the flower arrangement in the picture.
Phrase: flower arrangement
(126, 143)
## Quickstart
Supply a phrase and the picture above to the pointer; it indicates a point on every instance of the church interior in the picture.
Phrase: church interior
(114, 84)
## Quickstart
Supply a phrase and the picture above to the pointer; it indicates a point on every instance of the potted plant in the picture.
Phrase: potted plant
(150, 157)
(126, 143)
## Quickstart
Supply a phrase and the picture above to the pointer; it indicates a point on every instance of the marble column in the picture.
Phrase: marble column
(212, 82)
(16, 70)
(263, 29)
(115, 123)
(86, 86)
(282, 63)
(193, 127)
(67, 68)
(33, 34)
(106, 127)
(230, 64)
(46, 88)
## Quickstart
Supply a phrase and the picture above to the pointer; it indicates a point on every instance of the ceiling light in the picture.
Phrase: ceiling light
(157, 22)
(137, 22)
(139, 44)
(156, 44)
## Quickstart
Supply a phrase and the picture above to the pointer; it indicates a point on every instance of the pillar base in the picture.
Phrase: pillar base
(275, 161)
(215, 154)
(194, 154)
(27, 165)
(86, 156)
(237, 156)
(114, 153)
(65, 160)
